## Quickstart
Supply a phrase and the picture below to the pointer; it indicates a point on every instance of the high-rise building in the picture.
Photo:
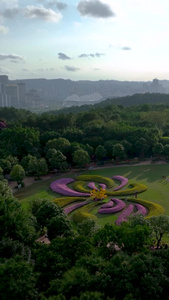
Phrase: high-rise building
(21, 94)
(5, 100)
(4, 79)
(12, 91)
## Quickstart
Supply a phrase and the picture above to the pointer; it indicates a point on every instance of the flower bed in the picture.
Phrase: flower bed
(92, 186)
(67, 200)
(79, 186)
(154, 209)
(111, 210)
(108, 181)
(108, 204)
(69, 209)
(60, 186)
(125, 214)
(83, 213)
(123, 181)
(136, 188)
(102, 185)
(140, 210)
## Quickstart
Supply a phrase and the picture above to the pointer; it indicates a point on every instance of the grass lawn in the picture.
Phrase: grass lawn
(150, 175)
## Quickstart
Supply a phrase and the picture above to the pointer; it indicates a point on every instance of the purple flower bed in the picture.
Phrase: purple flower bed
(108, 204)
(60, 186)
(125, 214)
(110, 210)
(123, 181)
(92, 186)
(69, 209)
(140, 210)
(103, 186)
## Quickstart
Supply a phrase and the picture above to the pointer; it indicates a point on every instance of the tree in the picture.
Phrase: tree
(100, 152)
(141, 147)
(61, 144)
(20, 141)
(118, 151)
(56, 159)
(5, 165)
(17, 174)
(87, 228)
(46, 212)
(1, 174)
(59, 226)
(166, 151)
(38, 166)
(160, 226)
(14, 221)
(17, 279)
(81, 157)
(157, 149)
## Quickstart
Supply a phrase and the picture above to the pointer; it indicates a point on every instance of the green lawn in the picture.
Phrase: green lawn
(150, 175)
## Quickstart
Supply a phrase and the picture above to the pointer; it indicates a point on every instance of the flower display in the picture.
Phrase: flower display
(102, 185)
(126, 213)
(140, 209)
(92, 186)
(123, 181)
(69, 209)
(60, 186)
(109, 209)
(98, 194)
(85, 188)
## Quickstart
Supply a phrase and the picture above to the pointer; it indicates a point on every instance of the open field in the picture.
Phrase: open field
(150, 175)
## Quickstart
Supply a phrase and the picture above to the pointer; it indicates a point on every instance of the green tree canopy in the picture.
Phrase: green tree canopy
(17, 173)
(81, 157)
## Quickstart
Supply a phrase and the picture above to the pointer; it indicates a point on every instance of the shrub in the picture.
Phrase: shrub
(67, 200)
(154, 209)
(136, 188)
(83, 213)
(108, 181)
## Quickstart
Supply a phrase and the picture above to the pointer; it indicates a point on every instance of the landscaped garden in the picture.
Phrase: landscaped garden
(124, 191)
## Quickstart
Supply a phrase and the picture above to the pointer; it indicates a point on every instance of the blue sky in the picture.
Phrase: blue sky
(85, 39)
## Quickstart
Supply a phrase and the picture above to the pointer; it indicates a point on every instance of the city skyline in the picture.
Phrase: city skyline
(84, 39)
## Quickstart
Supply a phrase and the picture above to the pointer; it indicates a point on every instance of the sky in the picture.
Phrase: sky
(85, 39)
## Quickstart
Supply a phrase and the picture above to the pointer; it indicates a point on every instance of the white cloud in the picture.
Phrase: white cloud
(13, 57)
(95, 8)
(40, 12)
(4, 30)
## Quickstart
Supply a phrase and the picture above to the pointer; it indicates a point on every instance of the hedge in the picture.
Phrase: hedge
(67, 200)
(154, 209)
(136, 188)
(108, 181)
(78, 186)
(83, 213)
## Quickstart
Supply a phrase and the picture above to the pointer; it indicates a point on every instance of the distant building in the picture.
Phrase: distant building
(5, 100)
(32, 98)
(4, 79)
(13, 92)
(21, 94)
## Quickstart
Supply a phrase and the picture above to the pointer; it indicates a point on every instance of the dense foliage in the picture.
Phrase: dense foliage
(123, 262)
(112, 262)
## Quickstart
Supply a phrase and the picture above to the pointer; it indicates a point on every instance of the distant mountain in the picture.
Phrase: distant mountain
(134, 100)
(66, 92)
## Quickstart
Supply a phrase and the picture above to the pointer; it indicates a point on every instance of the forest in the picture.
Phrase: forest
(91, 262)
